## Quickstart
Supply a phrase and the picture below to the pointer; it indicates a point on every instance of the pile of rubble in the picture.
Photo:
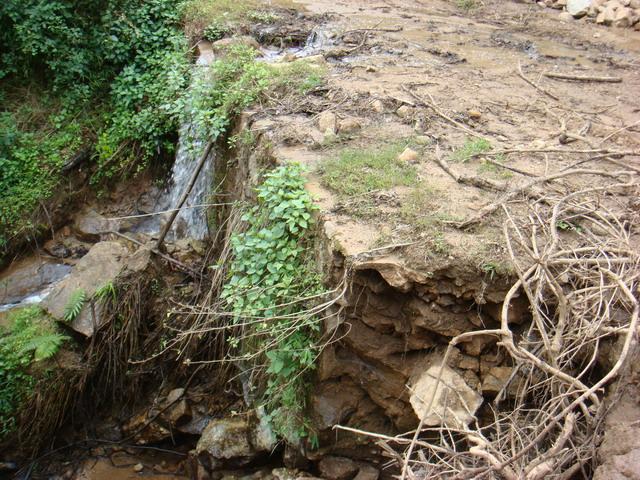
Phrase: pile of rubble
(619, 13)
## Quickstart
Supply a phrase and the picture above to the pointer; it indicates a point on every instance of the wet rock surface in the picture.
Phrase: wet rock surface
(101, 265)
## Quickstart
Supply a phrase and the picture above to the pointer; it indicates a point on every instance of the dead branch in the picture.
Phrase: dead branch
(535, 85)
(582, 78)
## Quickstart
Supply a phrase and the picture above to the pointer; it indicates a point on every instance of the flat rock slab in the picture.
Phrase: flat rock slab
(102, 264)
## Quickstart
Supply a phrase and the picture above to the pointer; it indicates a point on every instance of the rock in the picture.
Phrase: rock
(237, 438)
(102, 264)
(606, 16)
(495, 380)
(138, 467)
(474, 114)
(578, 8)
(176, 409)
(405, 112)
(91, 225)
(327, 122)
(565, 17)
(337, 468)
(422, 140)
(27, 277)
(454, 404)
(432, 317)
(349, 125)
(623, 17)
(377, 106)
(285, 474)
(226, 438)
(408, 156)
(367, 472)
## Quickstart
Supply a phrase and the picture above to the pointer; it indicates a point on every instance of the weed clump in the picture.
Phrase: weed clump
(357, 172)
(31, 337)
(470, 148)
(270, 277)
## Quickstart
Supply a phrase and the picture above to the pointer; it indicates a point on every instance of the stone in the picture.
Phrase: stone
(90, 225)
(377, 106)
(432, 317)
(27, 277)
(606, 16)
(578, 8)
(349, 125)
(235, 438)
(406, 112)
(102, 264)
(496, 378)
(337, 468)
(327, 122)
(422, 140)
(226, 438)
(623, 17)
(408, 156)
(367, 472)
(565, 17)
(454, 404)
(474, 114)
(138, 467)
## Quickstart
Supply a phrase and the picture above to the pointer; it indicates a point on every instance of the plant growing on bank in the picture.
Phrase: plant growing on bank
(270, 276)
(30, 338)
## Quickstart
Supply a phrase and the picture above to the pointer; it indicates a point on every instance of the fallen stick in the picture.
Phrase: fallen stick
(534, 85)
(582, 78)
(482, 183)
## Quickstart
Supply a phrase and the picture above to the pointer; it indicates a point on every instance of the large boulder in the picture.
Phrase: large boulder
(27, 277)
(454, 403)
(578, 8)
(102, 264)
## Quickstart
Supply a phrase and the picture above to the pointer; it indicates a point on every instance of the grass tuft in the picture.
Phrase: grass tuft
(470, 148)
(357, 172)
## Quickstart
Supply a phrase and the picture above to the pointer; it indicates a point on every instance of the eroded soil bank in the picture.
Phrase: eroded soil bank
(499, 201)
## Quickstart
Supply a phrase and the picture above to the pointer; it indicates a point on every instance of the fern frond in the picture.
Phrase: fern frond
(106, 292)
(74, 305)
(44, 346)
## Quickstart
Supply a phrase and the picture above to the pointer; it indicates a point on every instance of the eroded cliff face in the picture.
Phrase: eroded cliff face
(389, 338)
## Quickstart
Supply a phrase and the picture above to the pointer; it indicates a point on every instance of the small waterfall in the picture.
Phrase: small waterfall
(191, 221)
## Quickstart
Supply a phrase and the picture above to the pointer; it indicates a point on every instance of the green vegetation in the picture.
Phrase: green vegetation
(270, 277)
(79, 73)
(214, 20)
(74, 305)
(467, 5)
(357, 171)
(111, 77)
(470, 148)
(30, 338)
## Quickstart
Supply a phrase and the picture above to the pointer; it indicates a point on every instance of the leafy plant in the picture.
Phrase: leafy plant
(270, 276)
(467, 4)
(31, 337)
(471, 148)
(106, 292)
(74, 305)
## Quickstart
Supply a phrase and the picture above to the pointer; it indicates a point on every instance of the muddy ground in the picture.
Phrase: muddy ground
(435, 76)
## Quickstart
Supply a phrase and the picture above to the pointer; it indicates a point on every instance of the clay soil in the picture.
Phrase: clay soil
(386, 54)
